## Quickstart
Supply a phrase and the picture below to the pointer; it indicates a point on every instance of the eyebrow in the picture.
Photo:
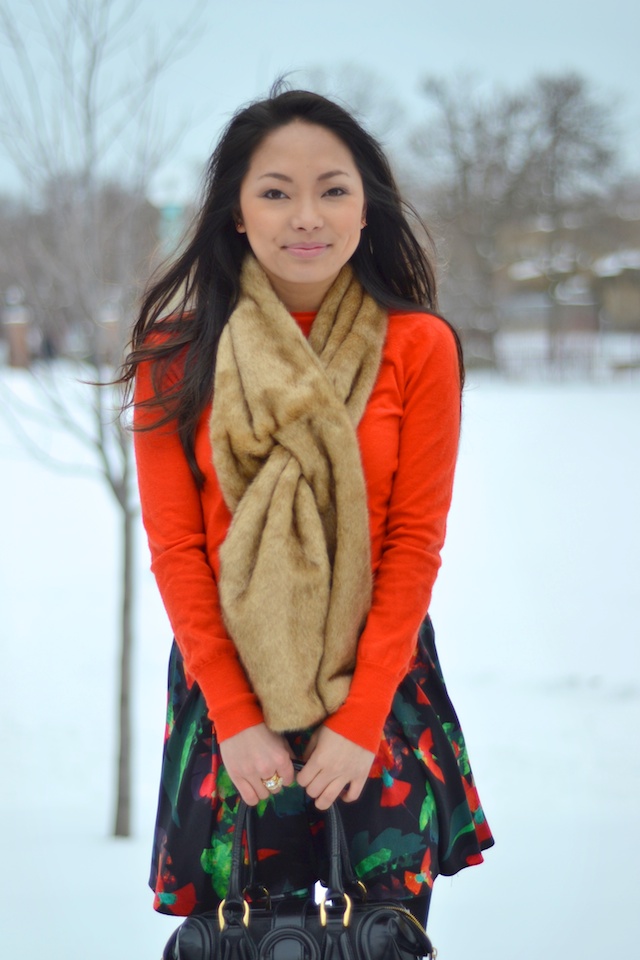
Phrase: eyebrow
(323, 176)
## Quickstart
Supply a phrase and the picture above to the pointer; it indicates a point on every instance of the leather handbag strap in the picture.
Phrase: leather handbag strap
(341, 872)
(236, 882)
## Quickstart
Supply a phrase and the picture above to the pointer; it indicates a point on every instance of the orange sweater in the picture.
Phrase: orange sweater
(408, 440)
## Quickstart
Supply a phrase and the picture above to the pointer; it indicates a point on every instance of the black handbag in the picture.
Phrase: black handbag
(342, 927)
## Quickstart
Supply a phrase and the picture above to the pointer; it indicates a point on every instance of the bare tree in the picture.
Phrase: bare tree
(494, 158)
(572, 156)
(471, 155)
(81, 130)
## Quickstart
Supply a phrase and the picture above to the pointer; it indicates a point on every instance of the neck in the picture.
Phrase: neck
(301, 297)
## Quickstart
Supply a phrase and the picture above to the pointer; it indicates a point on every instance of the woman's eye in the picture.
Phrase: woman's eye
(273, 194)
(336, 192)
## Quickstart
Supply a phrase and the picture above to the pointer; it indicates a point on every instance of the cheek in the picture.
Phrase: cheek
(264, 225)
(357, 215)
(353, 228)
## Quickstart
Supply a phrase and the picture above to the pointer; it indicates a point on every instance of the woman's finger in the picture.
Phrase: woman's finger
(248, 793)
(313, 778)
(313, 739)
(287, 772)
(353, 790)
(329, 795)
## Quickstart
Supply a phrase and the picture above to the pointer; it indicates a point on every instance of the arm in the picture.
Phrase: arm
(172, 512)
(415, 530)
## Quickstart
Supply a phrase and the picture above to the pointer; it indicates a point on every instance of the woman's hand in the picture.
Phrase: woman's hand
(332, 763)
(254, 755)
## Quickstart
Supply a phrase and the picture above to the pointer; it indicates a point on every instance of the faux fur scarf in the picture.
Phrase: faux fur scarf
(295, 581)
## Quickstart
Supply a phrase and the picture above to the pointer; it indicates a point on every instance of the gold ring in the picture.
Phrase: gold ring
(274, 783)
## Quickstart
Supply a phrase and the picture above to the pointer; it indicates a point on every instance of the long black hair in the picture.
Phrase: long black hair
(190, 304)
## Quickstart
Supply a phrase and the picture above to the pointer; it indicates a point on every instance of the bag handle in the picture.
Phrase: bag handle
(341, 872)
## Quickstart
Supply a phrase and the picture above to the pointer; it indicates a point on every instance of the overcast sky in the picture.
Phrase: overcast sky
(247, 43)
(244, 44)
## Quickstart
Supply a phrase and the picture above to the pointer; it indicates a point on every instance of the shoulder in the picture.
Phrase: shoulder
(173, 328)
(415, 338)
(164, 346)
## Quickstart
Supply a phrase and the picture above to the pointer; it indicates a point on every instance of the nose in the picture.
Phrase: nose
(306, 215)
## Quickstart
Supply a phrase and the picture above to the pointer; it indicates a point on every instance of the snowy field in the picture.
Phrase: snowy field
(536, 614)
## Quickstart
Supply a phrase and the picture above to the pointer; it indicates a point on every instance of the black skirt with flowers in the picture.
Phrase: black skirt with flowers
(418, 816)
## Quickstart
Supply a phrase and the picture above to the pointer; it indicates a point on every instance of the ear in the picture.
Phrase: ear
(363, 221)
(240, 227)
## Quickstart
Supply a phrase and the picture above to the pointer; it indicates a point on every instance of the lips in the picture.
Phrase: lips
(306, 251)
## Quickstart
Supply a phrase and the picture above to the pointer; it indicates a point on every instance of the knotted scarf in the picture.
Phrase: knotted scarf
(295, 580)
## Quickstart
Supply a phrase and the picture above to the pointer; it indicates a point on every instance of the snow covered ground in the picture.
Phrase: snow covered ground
(536, 614)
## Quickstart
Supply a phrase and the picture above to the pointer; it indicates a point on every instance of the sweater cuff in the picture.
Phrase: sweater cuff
(362, 716)
(231, 708)
(243, 714)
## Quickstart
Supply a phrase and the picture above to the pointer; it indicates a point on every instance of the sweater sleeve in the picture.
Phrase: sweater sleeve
(415, 531)
(173, 518)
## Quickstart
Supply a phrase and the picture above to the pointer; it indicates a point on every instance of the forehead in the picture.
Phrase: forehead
(301, 147)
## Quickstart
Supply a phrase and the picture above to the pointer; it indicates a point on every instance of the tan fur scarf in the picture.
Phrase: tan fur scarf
(295, 582)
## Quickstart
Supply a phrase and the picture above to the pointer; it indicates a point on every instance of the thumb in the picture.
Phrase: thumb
(313, 740)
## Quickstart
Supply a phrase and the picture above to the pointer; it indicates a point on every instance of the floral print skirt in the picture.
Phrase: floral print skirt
(418, 816)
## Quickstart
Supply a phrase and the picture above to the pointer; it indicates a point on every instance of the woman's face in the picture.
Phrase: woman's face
(302, 208)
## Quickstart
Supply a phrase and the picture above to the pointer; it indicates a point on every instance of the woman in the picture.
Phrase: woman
(297, 418)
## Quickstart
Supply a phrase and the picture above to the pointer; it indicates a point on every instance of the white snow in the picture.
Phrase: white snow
(614, 263)
(536, 614)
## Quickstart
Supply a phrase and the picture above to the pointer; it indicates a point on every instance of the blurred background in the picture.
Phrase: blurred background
(515, 135)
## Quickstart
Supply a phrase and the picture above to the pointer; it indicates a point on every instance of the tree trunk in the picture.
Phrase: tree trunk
(123, 799)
